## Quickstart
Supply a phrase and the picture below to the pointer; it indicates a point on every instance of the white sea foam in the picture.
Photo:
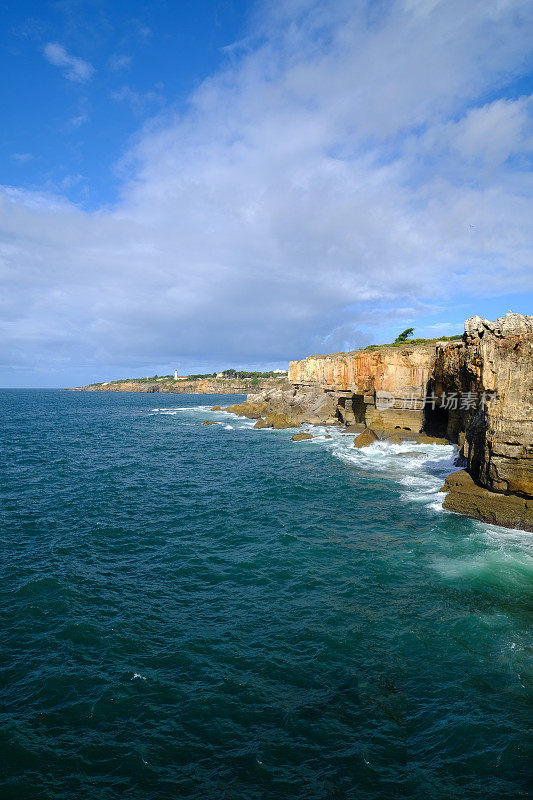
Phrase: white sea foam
(422, 473)
(506, 562)
(420, 476)
(180, 409)
(138, 676)
(496, 536)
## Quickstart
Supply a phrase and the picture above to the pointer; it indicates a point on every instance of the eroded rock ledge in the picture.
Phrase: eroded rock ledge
(476, 393)
(466, 497)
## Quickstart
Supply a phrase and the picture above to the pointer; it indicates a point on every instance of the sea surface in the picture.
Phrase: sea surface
(194, 611)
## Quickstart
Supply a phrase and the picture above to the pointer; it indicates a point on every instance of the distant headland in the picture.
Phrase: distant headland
(229, 381)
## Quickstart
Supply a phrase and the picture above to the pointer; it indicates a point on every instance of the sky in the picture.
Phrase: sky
(219, 183)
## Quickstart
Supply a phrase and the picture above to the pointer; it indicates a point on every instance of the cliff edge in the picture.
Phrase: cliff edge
(476, 393)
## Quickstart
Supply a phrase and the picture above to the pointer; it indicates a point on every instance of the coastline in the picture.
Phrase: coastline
(197, 386)
(473, 394)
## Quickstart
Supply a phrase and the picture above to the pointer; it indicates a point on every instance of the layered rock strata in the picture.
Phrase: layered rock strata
(494, 363)
(397, 376)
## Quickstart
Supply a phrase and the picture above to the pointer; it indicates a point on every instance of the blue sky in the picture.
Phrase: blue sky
(209, 184)
(138, 59)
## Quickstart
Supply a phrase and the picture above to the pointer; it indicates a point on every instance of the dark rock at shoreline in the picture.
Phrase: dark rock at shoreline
(288, 409)
(422, 438)
(280, 421)
(364, 439)
(399, 437)
(467, 497)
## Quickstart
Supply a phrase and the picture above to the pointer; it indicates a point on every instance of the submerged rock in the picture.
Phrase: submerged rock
(299, 437)
(208, 422)
(364, 439)
(216, 408)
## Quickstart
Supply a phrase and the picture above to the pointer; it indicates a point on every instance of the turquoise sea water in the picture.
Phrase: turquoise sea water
(195, 611)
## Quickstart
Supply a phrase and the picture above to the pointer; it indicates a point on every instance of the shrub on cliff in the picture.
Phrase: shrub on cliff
(404, 336)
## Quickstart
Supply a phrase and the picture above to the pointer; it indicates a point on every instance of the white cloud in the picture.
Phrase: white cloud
(82, 114)
(489, 134)
(118, 62)
(496, 130)
(75, 69)
(322, 183)
(139, 102)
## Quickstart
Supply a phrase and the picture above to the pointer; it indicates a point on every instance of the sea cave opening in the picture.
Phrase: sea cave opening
(436, 421)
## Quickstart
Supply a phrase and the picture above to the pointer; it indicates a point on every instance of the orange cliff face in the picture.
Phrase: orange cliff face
(402, 371)
(492, 365)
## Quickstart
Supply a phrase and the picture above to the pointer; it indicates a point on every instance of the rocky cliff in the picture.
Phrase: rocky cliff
(494, 362)
(477, 393)
(396, 376)
(391, 369)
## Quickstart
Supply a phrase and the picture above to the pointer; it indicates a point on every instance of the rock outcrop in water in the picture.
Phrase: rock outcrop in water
(465, 496)
(289, 409)
(476, 392)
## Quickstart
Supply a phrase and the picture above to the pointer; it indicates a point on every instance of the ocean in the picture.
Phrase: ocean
(194, 611)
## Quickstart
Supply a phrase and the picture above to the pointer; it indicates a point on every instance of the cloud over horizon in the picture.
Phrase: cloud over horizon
(353, 166)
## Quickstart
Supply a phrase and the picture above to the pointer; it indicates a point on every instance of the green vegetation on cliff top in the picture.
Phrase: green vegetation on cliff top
(407, 342)
(228, 374)
(398, 343)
